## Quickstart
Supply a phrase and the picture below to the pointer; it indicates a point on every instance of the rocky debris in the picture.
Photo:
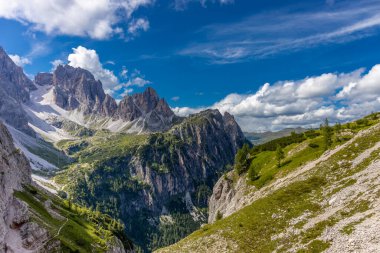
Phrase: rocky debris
(33, 235)
(43, 79)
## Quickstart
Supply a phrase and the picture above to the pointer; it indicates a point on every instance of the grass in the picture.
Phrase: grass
(103, 146)
(81, 233)
(266, 163)
(256, 227)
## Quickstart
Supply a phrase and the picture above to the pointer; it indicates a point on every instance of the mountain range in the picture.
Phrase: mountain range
(134, 160)
(80, 172)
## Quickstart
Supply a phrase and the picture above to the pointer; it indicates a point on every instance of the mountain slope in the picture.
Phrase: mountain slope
(32, 220)
(330, 203)
(150, 177)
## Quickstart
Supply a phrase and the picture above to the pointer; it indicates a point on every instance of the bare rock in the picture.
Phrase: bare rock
(33, 235)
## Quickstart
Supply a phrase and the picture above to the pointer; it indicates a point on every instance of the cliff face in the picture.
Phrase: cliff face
(14, 90)
(14, 172)
(166, 173)
(195, 151)
(13, 79)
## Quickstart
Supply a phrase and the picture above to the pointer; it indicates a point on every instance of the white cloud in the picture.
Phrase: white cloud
(95, 19)
(176, 98)
(89, 59)
(185, 111)
(286, 30)
(19, 60)
(56, 63)
(135, 26)
(181, 5)
(339, 97)
(363, 90)
(138, 81)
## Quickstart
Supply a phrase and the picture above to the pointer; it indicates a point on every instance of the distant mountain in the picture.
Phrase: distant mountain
(259, 138)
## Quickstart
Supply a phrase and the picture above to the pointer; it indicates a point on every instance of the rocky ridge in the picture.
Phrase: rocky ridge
(77, 89)
(14, 90)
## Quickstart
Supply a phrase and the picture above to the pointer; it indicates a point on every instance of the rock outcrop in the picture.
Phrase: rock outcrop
(14, 90)
(14, 172)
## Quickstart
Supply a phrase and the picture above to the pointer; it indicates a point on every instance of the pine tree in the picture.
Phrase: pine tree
(327, 135)
(279, 155)
(242, 160)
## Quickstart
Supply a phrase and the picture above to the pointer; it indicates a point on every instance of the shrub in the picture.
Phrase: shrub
(62, 194)
(219, 216)
(313, 145)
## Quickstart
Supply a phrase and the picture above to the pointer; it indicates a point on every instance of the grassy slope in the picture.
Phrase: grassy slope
(81, 229)
(256, 228)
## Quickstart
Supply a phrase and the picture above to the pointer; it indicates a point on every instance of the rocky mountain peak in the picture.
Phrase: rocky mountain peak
(147, 100)
(149, 106)
(76, 88)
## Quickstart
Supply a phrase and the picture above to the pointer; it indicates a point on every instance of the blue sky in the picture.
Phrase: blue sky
(211, 53)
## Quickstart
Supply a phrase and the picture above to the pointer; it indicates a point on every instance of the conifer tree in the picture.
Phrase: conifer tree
(279, 155)
(327, 134)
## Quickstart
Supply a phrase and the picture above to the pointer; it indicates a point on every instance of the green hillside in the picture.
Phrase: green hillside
(293, 206)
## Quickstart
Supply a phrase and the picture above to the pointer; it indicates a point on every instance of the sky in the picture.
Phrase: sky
(271, 63)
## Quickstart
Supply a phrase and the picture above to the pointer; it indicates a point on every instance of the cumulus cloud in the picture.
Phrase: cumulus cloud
(89, 59)
(185, 111)
(339, 97)
(96, 19)
(19, 60)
